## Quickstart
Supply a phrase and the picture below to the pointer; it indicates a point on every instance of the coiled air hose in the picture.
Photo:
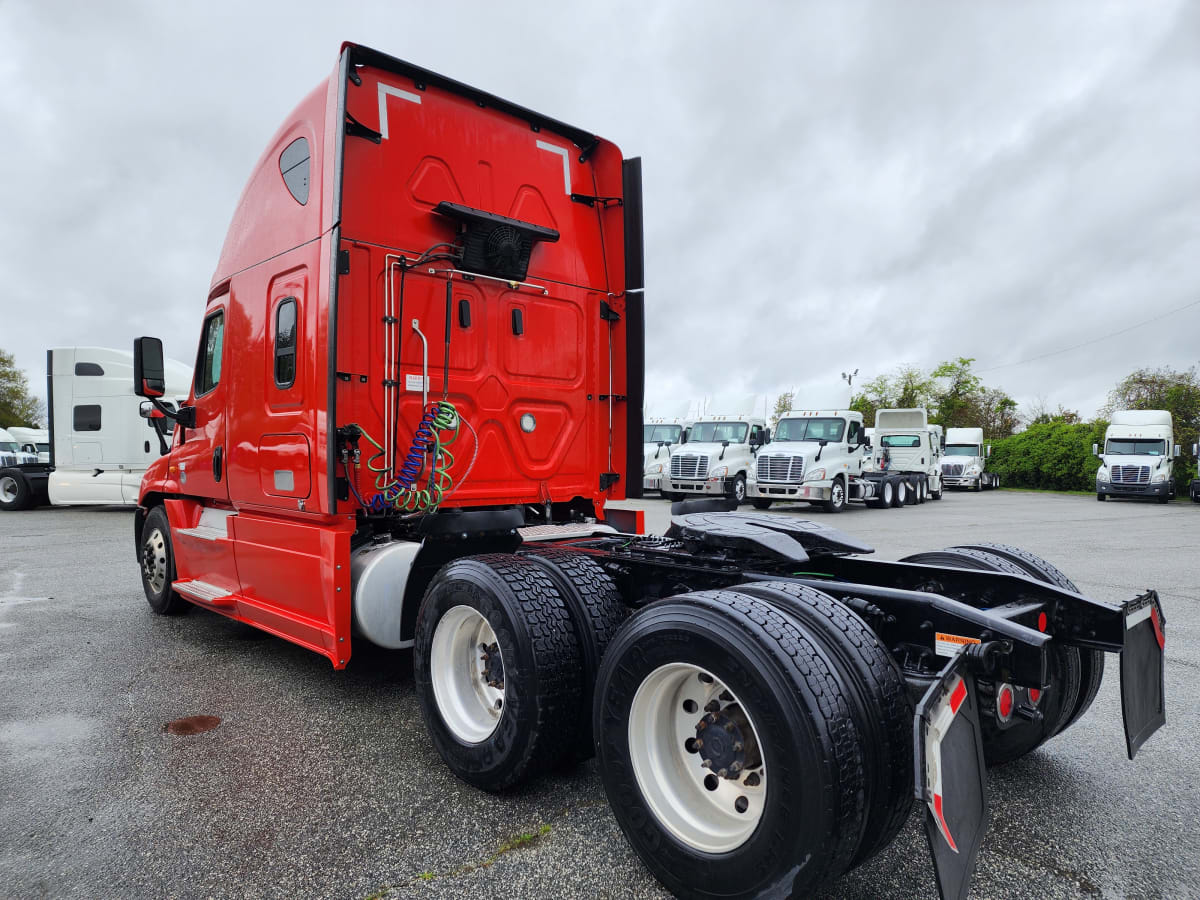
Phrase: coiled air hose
(437, 430)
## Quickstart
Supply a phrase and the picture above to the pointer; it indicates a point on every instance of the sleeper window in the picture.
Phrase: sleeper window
(285, 343)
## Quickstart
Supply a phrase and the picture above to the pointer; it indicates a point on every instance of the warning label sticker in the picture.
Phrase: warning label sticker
(951, 644)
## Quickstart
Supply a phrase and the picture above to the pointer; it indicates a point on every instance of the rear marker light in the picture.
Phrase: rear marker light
(1004, 702)
(1034, 696)
(1042, 622)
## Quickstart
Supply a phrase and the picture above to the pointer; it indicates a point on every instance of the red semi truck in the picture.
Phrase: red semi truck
(418, 385)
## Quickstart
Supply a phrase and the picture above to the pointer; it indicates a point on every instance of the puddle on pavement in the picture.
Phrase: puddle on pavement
(193, 725)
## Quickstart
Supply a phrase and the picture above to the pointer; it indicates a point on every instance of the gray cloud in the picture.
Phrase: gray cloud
(828, 185)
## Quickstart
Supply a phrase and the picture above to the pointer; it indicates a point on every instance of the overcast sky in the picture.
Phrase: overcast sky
(829, 185)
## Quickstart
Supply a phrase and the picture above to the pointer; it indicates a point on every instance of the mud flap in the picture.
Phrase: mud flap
(950, 777)
(1143, 705)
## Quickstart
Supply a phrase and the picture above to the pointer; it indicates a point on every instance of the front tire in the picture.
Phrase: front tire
(760, 502)
(837, 497)
(156, 556)
(1101, 497)
(739, 489)
(497, 669)
(789, 816)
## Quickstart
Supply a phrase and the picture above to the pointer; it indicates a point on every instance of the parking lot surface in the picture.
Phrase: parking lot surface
(323, 784)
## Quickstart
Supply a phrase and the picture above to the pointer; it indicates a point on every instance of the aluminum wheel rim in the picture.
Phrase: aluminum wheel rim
(707, 812)
(154, 560)
(8, 489)
(839, 495)
(463, 645)
(739, 490)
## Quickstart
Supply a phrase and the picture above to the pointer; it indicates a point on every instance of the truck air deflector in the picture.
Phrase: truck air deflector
(781, 536)
(422, 78)
(1143, 705)
(950, 779)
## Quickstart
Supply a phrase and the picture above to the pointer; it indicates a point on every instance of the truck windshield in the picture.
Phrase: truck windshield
(652, 434)
(962, 449)
(811, 430)
(901, 440)
(10, 446)
(715, 432)
(1134, 447)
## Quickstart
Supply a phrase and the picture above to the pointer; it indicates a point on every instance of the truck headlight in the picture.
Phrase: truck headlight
(1159, 477)
(814, 475)
(973, 471)
(655, 469)
(719, 472)
(1102, 473)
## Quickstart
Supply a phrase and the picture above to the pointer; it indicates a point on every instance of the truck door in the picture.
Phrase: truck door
(200, 455)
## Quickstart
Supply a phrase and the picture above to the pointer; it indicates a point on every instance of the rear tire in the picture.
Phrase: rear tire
(900, 492)
(15, 492)
(1091, 662)
(497, 725)
(1002, 745)
(790, 828)
(156, 557)
(760, 502)
(886, 496)
(597, 611)
(878, 698)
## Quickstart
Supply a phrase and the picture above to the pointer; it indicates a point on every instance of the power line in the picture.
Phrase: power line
(1169, 312)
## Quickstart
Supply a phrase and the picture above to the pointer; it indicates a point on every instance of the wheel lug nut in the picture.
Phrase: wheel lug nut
(721, 773)
(712, 706)
(706, 763)
(699, 743)
(711, 717)
(735, 767)
(737, 747)
(701, 725)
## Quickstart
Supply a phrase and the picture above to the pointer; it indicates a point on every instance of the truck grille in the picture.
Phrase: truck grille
(781, 469)
(954, 470)
(685, 465)
(1131, 474)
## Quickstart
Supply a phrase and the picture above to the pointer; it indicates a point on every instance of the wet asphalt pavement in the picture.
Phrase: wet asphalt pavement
(323, 784)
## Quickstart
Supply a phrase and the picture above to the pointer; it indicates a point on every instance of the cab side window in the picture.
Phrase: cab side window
(285, 343)
(853, 437)
(208, 366)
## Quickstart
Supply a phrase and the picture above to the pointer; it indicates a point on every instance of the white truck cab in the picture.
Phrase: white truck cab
(815, 455)
(1195, 489)
(12, 451)
(35, 441)
(964, 461)
(904, 444)
(718, 457)
(660, 438)
(1139, 446)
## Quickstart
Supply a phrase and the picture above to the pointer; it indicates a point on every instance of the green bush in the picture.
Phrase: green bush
(1055, 456)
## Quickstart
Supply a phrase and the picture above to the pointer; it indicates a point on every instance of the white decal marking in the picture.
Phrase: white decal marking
(415, 383)
(561, 151)
(385, 91)
(1141, 615)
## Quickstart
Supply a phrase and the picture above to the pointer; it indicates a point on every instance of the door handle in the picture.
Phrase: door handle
(217, 454)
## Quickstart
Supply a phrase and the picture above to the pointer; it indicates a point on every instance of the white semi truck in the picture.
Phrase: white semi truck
(1139, 447)
(99, 445)
(1195, 489)
(964, 462)
(717, 459)
(660, 438)
(820, 456)
(904, 444)
(33, 440)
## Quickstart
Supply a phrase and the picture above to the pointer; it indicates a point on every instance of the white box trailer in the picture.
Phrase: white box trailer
(1139, 448)
(964, 460)
(99, 445)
